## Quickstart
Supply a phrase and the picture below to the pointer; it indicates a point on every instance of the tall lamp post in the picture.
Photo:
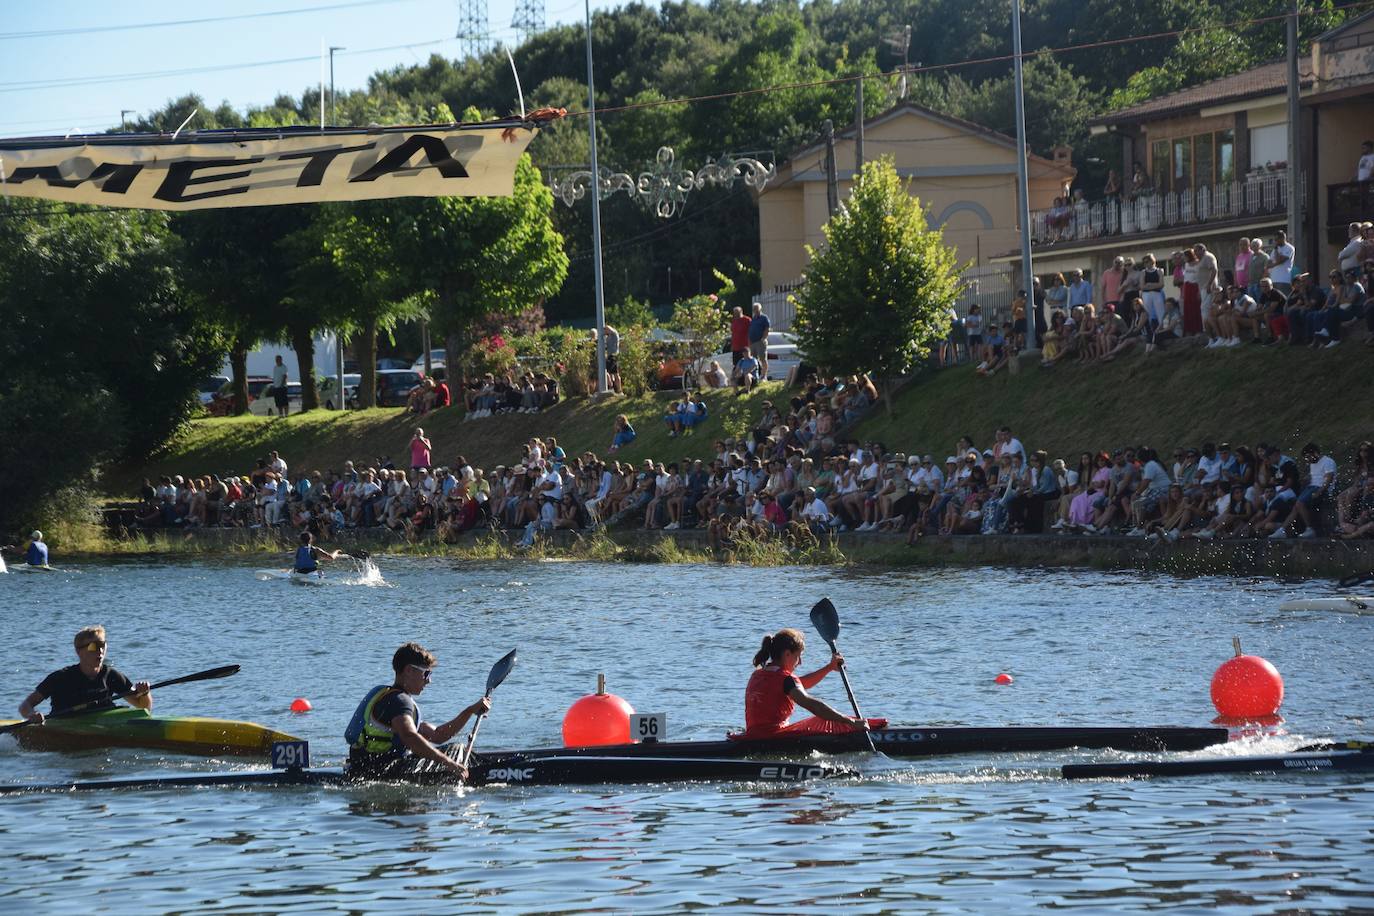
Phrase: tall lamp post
(1022, 179)
(333, 102)
(123, 122)
(596, 215)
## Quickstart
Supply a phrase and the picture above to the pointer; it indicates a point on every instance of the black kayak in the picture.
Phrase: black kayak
(1276, 763)
(916, 742)
(487, 770)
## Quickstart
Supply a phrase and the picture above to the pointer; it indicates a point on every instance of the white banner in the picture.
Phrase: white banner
(251, 168)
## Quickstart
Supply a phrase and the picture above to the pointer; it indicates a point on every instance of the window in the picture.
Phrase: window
(1268, 145)
(1183, 164)
(1203, 159)
(1159, 164)
(1226, 155)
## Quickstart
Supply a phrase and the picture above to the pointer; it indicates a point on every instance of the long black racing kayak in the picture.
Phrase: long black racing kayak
(511, 770)
(1277, 763)
(917, 742)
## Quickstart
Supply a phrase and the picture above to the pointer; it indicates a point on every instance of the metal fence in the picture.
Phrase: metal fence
(990, 287)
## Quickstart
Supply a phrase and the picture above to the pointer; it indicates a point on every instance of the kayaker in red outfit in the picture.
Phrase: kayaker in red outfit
(774, 691)
(90, 680)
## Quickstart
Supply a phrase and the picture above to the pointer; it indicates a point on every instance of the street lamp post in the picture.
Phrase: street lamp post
(333, 102)
(596, 215)
(123, 122)
(1022, 179)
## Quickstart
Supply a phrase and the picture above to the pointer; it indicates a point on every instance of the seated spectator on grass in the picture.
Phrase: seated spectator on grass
(624, 434)
(1321, 482)
(746, 374)
(1087, 335)
(995, 350)
(1170, 326)
(1356, 520)
(714, 376)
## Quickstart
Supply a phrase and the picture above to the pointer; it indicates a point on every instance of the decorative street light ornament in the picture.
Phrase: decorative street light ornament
(665, 186)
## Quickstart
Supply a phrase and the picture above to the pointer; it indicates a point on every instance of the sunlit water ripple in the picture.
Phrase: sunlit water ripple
(971, 834)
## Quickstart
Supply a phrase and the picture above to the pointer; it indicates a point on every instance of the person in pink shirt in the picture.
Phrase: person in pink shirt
(1241, 267)
(1111, 282)
(419, 450)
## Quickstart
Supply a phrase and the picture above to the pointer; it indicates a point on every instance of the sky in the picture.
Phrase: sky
(80, 82)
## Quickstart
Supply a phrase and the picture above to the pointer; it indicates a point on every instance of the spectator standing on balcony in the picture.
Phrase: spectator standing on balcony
(1140, 181)
(1113, 186)
(1240, 267)
(1191, 292)
(1281, 263)
(1152, 289)
(739, 335)
(1364, 170)
(759, 326)
(1080, 290)
(1112, 279)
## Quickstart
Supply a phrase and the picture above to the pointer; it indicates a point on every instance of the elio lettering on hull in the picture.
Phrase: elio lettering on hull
(251, 168)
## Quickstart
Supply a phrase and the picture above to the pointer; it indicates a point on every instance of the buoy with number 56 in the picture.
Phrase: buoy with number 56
(596, 719)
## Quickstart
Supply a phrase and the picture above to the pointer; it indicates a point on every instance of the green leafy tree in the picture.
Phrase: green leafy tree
(630, 312)
(878, 294)
(702, 321)
(102, 349)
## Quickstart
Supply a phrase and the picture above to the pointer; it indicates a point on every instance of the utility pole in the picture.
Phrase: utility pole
(858, 128)
(1022, 179)
(123, 122)
(596, 216)
(832, 181)
(901, 40)
(333, 102)
(1296, 234)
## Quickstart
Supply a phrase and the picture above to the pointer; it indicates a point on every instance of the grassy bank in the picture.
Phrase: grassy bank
(325, 439)
(1183, 397)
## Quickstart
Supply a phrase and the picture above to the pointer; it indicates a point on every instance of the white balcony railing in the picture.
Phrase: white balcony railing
(1260, 195)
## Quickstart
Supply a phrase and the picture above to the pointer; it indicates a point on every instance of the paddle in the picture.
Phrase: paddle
(1356, 579)
(1366, 746)
(826, 620)
(499, 671)
(210, 675)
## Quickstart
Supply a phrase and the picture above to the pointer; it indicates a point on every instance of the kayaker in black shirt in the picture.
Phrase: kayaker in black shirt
(90, 680)
(386, 730)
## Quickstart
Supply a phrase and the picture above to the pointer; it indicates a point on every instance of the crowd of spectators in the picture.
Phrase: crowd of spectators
(1252, 295)
(491, 395)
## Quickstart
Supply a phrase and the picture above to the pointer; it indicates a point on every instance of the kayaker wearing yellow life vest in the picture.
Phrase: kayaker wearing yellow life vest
(386, 729)
(89, 681)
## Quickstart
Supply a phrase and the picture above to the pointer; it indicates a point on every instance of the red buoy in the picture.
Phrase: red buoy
(301, 704)
(1003, 679)
(600, 718)
(1246, 687)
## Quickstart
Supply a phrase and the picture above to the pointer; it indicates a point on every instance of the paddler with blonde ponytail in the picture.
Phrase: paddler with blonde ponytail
(774, 691)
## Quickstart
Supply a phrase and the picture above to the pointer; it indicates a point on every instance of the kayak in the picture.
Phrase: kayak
(290, 575)
(126, 726)
(1276, 763)
(26, 568)
(1348, 603)
(490, 770)
(919, 742)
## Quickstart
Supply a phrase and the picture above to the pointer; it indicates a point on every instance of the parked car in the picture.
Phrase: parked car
(209, 387)
(330, 399)
(393, 362)
(782, 357)
(436, 360)
(266, 404)
(394, 385)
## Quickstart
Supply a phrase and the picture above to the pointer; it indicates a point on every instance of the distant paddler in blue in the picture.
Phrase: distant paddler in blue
(35, 555)
(308, 553)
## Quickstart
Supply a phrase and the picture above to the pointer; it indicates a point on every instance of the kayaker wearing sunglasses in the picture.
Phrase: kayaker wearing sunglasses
(90, 681)
(386, 730)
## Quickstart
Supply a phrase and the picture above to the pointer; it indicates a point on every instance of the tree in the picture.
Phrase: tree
(702, 320)
(102, 352)
(878, 294)
(478, 256)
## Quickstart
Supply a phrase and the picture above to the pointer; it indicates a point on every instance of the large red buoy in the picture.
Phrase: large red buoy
(601, 718)
(301, 704)
(1246, 687)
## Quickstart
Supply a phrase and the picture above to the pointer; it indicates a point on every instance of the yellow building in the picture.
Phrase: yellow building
(963, 174)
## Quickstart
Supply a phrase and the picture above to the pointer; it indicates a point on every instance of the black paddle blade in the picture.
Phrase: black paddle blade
(826, 620)
(500, 670)
(358, 554)
(212, 674)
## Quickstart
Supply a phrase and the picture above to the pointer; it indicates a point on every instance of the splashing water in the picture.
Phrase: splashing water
(366, 573)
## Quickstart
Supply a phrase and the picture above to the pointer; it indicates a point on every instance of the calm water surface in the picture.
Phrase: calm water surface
(972, 834)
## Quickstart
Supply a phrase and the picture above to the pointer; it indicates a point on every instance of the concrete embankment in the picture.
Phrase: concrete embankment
(1294, 558)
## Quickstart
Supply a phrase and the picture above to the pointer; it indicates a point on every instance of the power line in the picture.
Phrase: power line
(63, 83)
(89, 30)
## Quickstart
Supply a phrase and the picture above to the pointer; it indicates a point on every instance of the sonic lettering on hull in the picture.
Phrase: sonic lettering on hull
(509, 774)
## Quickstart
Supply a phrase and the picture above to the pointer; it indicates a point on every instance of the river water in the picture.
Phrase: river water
(996, 833)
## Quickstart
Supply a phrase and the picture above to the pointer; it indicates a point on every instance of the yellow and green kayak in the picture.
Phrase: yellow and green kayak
(129, 727)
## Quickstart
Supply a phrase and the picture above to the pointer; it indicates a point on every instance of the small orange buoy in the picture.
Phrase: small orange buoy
(1003, 679)
(1246, 687)
(600, 718)
(301, 704)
